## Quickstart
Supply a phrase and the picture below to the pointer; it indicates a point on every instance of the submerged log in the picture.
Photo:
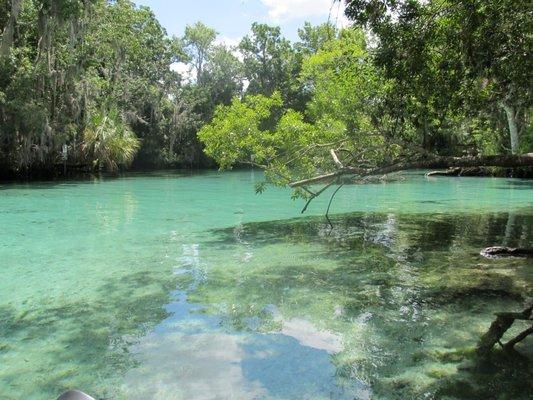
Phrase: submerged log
(518, 338)
(498, 328)
(500, 251)
(449, 172)
(459, 171)
(507, 161)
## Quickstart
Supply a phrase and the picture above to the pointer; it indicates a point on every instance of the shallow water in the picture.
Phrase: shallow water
(190, 286)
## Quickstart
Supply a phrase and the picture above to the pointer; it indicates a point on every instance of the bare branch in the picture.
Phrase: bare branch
(336, 159)
(511, 343)
(315, 195)
(509, 161)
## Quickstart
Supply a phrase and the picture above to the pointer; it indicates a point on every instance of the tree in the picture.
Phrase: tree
(270, 63)
(350, 126)
(457, 65)
(68, 63)
(198, 40)
(290, 145)
(223, 76)
(218, 79)
(313, 38)
(109, 142)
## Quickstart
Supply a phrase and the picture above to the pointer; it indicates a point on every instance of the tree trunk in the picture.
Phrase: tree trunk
(507, 161)
(513, 125)
(9, 30)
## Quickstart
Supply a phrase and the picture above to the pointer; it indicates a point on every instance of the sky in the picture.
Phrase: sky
(232, 18)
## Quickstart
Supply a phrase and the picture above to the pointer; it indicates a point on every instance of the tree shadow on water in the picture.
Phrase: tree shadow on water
(409, 294)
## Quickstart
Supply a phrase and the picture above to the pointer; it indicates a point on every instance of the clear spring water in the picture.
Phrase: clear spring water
(191, 286)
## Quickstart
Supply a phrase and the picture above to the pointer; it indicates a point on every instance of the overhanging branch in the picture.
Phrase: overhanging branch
(506, 161)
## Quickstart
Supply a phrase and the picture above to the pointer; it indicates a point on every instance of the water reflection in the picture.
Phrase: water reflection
(96, 334)
(195, 354)
(385, 305)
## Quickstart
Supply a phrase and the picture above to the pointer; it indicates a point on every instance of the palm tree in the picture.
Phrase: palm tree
(109, 142)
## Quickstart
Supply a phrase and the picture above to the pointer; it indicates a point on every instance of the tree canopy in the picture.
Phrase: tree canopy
(410, 79)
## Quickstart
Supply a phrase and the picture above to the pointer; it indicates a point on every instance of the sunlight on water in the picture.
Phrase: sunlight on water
(179, 286)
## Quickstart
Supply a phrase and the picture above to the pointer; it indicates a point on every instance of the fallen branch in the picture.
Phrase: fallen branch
(449, 172)
(328, 177)
(506, 161)
(498, 328)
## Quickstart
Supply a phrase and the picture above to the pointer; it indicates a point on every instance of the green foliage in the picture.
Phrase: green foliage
(345, 90)
(109, 142)
(456, 67)
(313, 38)
(71, 60)
(240, 131)
(421, 77)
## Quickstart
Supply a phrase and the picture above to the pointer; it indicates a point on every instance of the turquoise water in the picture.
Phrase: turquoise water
(190, 286)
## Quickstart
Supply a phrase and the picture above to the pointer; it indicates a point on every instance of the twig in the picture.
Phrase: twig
(315, 195)
(330, 201)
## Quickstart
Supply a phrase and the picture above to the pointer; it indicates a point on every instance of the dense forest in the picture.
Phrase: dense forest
(168, 284)
(91, 83)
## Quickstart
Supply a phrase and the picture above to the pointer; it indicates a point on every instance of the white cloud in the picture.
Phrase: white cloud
(230, 43)
(186, 71)
(284, 10)
(310, 336)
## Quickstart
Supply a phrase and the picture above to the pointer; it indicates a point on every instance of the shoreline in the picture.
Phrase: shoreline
(81, 174)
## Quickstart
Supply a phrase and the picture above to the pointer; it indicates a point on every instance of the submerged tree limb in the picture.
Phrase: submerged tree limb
(506, 161)
(510, 344)
(498, 328)
(499, 251)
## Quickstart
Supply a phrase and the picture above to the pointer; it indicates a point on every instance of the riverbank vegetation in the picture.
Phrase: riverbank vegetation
(98, 85)
(410, 84)
(95, 82)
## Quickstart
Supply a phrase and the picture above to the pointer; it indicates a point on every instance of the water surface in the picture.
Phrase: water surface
(190, 286)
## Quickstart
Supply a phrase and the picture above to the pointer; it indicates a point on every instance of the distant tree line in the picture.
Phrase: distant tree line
(98, 79)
